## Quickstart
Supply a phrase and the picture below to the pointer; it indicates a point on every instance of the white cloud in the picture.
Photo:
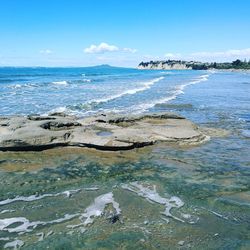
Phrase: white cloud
(101, 48)
(104, 47)
(46, 51)
(223, 54)
(227, 55)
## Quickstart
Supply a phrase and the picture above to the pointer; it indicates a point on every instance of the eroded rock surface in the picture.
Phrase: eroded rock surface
(103, 132)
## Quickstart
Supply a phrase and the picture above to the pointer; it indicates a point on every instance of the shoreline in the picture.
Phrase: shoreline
(189, 69)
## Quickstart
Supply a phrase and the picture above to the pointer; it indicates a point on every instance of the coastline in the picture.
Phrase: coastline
(212, 69)
(45, 187)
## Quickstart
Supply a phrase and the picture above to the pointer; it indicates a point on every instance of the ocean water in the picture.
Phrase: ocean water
(157, 197)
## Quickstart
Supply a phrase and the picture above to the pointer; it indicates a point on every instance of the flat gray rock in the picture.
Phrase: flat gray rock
(103, 132)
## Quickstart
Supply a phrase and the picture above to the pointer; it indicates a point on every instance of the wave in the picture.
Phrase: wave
(84, 109)
(179, 89)
(16, 86)
(19, 86)
(86, 80)
(60, 82)
(145, 86)
(93, 103)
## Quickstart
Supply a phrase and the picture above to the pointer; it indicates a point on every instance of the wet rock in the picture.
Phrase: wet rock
(114, 219)
(103, 132)
(181, 242)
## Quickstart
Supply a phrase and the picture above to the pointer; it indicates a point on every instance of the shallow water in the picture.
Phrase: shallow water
(157, 197)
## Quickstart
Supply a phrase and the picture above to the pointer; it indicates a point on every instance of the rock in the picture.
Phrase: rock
(114, 219)
(103, 132)
(181, 242)
(163, 65)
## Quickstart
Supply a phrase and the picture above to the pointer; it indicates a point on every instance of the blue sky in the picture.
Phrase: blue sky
(122, 33)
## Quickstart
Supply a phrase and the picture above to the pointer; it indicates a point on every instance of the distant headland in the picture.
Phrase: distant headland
(179, 65)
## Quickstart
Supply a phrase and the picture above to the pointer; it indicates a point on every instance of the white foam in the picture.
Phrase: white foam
(218, 215)
(86, 80)
(152, 196)
(145, 86)
(57, 110)
(179, 90)
(16, 244)
(97, 208)
(16, 86)
(4, 238)
(35, 197)
(7, 211)
(24, 225)
(60, 82)
(41, 236)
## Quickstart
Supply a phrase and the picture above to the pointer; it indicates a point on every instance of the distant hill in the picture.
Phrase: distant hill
(179, 65)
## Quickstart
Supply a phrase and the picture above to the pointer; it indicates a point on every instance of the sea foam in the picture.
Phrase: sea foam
(151, 195)
(178, 90)
(60, 83)
(23, 225)
(97, 208)
(144, 86)
(16, 244)
(35, 197)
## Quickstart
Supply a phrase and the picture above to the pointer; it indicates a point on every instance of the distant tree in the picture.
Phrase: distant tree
(237, 63)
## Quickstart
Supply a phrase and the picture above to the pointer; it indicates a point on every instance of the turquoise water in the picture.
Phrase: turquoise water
(85, 91)
(153, 198)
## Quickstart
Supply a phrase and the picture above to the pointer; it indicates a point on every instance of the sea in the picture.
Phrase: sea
(157, 197)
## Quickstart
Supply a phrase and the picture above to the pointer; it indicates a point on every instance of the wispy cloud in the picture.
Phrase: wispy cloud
(105, 47)
(46, 51)
(151, 57)
(173, 55)
(227, 55)
(223, 54)
(130, 50)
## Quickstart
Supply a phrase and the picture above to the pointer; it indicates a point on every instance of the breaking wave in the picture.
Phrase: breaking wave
(94, 103)
(60, 83)
(178, 90)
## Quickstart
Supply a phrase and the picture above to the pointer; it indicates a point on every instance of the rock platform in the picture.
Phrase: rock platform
(103, 132)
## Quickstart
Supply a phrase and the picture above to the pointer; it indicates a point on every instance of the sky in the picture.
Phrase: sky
(122, 32)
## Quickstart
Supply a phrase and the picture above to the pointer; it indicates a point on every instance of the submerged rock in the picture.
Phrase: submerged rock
(114, 218)
(103, 132)
(181, 242)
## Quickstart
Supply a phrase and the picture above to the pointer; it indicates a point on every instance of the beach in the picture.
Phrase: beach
(144, 182)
